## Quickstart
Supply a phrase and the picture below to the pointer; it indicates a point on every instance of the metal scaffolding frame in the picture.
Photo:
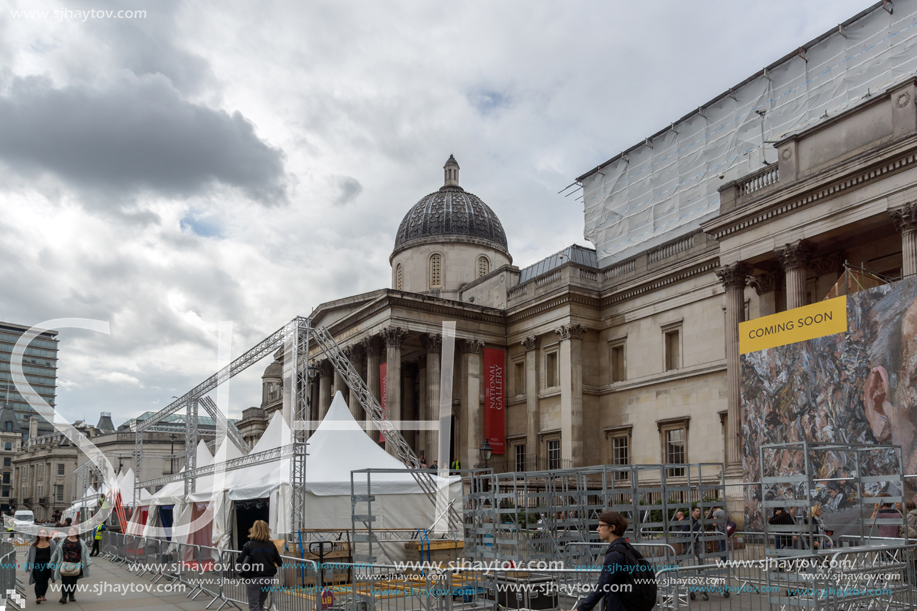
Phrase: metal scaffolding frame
(296, 338)
(798, 488)
(566, 503)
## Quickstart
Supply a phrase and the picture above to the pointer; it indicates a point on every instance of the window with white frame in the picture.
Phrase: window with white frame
(483, 266)
(436, 271)
(553, 453)
(60, 468)
(620, 454)
(58, 493)
(675, 447)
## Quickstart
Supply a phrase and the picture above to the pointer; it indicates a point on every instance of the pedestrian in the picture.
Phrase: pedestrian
(423, 461)
(71, 562)
(97, 539)
(697, 527)
(611, 529)
(719, 517)
(887, 512)
(909, 528)
(782, 518)
(38, 564)
(680, 527)
(258, 564)
(434, 466)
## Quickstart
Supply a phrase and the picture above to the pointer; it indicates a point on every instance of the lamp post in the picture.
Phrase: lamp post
(172, 455)
(486, 452)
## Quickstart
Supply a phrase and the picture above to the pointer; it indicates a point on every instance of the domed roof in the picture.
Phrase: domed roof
(274, 370)
(451, 214)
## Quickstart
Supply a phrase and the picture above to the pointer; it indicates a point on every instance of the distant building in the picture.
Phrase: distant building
(10, 446)
(39, 365)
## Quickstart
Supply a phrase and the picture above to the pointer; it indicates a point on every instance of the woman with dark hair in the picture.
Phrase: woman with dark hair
(258, 564)
(38, 563)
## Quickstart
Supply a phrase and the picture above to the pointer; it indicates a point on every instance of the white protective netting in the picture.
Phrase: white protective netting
(666, 190)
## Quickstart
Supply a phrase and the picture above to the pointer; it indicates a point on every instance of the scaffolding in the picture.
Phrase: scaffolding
(551, 515)
(296, 338)
(791, 480)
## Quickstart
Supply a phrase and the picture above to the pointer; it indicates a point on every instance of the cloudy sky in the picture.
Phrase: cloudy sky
(245, 162)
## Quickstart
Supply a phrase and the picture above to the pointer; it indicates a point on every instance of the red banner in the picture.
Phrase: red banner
(382, 387)
(495, 399)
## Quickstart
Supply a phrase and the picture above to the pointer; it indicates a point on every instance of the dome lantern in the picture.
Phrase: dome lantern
(452, 172)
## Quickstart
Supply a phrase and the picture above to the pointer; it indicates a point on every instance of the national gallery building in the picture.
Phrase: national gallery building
(629, 355)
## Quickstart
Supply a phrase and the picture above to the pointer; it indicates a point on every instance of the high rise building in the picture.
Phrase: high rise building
(39, 364)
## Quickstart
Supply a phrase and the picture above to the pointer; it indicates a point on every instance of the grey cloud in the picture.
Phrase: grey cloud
(137, 135)
(350, 190)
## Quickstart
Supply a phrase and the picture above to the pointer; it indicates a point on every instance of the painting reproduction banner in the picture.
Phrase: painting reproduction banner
(845, 379)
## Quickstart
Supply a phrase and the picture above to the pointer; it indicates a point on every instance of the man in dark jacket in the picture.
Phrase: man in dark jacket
(611, 528)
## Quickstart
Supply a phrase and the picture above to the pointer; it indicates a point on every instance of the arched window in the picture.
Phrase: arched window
(436, 271)
(399, 278)
(483, 266)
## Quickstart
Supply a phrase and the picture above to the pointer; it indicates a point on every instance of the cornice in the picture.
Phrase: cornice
(696, 270)
(888, 160)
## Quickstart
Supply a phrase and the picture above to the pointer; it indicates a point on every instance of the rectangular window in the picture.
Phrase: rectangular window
(550, 370)
(620, 454)
(6, 478)
(60, 468)
(6, 491)
(675, 451)
(519, 377)
(7, 462)
(618, 364)
(553, 454)
(520, 457)
(58, 493)
(672, 350)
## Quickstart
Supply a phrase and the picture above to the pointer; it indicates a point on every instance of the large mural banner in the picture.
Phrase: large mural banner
(841, 371)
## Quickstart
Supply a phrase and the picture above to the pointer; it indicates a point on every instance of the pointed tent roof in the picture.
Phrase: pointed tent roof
(172, 492)
(340, 445)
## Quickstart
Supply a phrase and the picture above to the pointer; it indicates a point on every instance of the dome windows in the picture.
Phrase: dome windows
(399, 277)
(483, 266)
(436, 271)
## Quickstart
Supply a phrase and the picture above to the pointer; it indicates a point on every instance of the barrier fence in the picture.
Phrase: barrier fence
(858, 573)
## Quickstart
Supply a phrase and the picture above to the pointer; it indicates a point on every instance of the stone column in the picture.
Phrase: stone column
(533, 415)
(409, 371)
(795, 260)
(393, 337)
(906, 221)
(372, 347)
(571, 392)
(422, 411)
(339, 386)
(733, 278)
(324, 391)
(472, 421)
(433, 343)
(355, 355)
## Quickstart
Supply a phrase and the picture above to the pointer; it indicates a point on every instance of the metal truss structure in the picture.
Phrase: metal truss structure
(537, 515)
(790, 480)
(296, 338)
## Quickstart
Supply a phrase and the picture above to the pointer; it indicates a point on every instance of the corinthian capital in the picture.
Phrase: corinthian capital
(733, 276)
(905, 218)
(530, 343)
(394, 336)
(796, 254)
(432, 342)
(470, 346)
(765, 283)
(571, 331)
(372, 345)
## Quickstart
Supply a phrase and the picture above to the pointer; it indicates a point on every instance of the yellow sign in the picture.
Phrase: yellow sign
(796, 325)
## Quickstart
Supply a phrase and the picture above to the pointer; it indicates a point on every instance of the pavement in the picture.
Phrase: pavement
(110, 587)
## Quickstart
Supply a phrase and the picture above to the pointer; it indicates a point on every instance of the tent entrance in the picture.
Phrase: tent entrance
(166, 519)
(246, 513)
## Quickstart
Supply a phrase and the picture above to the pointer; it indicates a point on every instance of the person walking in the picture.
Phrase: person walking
(38, 564)
(611, 529)
(97, 539)
(434, 467)
(719, 517)
(258, 564)
(70, 562)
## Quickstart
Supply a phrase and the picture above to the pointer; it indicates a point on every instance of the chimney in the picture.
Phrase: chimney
(33, 427)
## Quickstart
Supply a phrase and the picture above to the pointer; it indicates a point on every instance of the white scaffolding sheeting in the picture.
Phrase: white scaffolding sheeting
(665, 187)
